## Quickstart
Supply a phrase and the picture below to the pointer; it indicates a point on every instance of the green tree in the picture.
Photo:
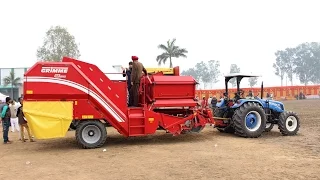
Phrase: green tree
(191, 72)
(280, 65)
(234, 69)
(307, 62)
(13, 81)
(315, 63)
(253, 81)
(203, 71)
(214, 71)
(170, 51)
(58, 42)
(284, 64)
(289, 63)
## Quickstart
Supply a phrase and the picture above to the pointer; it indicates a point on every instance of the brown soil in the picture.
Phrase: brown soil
(207, 155)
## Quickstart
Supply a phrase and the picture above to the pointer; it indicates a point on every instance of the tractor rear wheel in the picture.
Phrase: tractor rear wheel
(289, 123)
(249, 120)
(91, 134)
(269, 127)
(223, 114)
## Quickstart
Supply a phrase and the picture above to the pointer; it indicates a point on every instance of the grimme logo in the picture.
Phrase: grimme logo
(59, 72)
(62, 70)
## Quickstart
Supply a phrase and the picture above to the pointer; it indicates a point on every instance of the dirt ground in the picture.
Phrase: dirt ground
(207, 155)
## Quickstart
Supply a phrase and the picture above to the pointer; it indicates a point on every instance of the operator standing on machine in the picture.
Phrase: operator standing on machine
(127, 73)
(136, 75)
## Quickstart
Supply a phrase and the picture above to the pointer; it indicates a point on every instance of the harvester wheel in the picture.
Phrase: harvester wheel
(224, 114)
(289, 123)
(249, 120)
(269, 127)
(91, 134)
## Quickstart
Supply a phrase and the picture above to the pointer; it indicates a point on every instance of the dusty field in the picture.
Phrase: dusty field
(208, 155)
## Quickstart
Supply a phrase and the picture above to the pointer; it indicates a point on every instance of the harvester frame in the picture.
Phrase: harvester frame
(78, 95)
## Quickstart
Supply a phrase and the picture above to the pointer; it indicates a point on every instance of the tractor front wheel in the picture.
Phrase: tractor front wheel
(289, 123)
(249, 120)
(91, 134)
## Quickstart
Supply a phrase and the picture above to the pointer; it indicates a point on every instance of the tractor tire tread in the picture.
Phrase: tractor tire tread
(240, 114)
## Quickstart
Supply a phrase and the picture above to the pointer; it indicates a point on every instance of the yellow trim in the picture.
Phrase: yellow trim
(164, 70)
(150, 120)
(87, 116)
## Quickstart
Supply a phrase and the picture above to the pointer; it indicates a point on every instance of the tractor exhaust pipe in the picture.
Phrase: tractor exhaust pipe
(261, 89)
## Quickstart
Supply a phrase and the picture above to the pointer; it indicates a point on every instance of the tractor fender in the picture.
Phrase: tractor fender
(242, 101)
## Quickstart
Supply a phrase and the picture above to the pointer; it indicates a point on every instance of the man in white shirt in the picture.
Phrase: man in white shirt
(14, 119)
(209, 102)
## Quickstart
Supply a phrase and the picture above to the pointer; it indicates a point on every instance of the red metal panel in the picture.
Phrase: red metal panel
(73, 84)
(117, 95)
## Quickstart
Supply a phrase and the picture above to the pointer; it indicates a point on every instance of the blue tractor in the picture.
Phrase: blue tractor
(250, 116)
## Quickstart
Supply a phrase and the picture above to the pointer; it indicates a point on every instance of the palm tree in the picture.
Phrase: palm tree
(170, 51)
(13, 81)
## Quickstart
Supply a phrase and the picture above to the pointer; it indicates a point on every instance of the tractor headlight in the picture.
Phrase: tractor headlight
(281, 106)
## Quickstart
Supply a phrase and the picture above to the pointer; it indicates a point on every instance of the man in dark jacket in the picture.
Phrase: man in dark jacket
(214, 102)
(136, 75)
(5, 118)
(22, 122)
(127, 73)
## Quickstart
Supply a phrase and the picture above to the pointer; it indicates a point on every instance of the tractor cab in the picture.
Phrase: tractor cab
(239, 94)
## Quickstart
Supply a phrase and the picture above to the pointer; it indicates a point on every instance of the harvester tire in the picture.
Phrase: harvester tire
(91, 134)
(269, 127)
(249, 120)
(223, 114)
(289, 123)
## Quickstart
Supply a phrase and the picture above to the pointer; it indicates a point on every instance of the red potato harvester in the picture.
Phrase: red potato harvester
(76, 94)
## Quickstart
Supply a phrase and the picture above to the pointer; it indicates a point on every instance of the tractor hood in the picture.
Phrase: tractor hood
(276, 103)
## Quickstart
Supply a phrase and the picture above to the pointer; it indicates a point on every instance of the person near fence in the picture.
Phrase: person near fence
(209, 101)
(14, 119)
(213, 103)
(5, 119)
(204, 103)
